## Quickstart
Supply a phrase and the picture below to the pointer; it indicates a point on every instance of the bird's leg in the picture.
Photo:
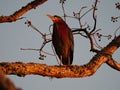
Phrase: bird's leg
(60, 60)
(68, 61)
(60, 64)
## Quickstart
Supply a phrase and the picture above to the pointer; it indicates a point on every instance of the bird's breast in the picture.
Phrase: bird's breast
(61, 39)
(62, 32)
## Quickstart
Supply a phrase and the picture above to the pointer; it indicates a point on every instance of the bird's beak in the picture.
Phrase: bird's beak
(51, 17)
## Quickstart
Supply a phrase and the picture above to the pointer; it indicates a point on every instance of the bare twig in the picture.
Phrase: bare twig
(86, 13)
(94, 17)
(79, 19)
(29, 23)
(96, 44)
(88, 35)
(116, 31)
(44, 36)
(64, 11)
(30, 49)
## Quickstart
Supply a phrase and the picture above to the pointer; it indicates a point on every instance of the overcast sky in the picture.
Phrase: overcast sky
(16, 35)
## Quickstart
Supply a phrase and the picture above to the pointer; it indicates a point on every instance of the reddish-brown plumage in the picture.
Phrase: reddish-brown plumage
(62, 39)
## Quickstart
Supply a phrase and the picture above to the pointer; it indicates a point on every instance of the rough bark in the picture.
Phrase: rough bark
(73, 71)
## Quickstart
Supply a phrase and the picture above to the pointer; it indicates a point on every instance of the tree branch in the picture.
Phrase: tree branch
(112, 63)
(73, 71)
(15, 16)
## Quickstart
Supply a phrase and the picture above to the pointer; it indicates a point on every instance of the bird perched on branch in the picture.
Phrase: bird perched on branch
(62, 39)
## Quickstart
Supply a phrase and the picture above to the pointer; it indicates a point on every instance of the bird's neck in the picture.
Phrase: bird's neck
(62, 25)
(61, 29)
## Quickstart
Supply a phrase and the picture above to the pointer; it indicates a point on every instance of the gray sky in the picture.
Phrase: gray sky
(14, 36)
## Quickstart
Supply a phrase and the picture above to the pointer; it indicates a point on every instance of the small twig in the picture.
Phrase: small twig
(96, 43)
(37, 50)
(44, 36)
(30, 49)
(49, 29)
(88, 36)
(76, 15)
(116, 31)
(94, 17)
(43, 44)
(86, 13)
(48, 53)
(64, 14)
(91, 40)
(41, 49)
(80, 19)
(96, 31)
(78, 31)
(34, 28)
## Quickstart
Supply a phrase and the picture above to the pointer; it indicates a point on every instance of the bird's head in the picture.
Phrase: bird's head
(55, 18)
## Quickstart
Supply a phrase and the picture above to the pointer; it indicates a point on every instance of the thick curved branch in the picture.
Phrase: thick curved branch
(15, 16)
(114, 64)
(73, 71)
